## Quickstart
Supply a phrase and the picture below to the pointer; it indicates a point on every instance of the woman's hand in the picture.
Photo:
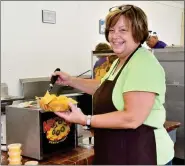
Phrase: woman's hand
(75, 115)
(63, 78)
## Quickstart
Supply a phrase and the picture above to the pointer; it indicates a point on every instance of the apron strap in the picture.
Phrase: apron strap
(127, 60)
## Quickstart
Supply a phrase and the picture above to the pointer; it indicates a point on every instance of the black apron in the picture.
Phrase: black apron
(121, 146)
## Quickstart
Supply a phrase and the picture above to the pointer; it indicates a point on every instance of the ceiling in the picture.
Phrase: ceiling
(180, 2)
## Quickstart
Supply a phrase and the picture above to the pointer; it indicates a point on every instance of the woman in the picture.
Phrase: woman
(128, 112)
(103, 64)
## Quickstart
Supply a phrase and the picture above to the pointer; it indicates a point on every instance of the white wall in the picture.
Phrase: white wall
(182, 29)
(31, 48)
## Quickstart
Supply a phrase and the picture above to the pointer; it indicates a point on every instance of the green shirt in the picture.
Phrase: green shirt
(144, 73)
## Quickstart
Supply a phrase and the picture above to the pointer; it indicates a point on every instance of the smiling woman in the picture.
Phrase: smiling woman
(128, 114)
(128, 23)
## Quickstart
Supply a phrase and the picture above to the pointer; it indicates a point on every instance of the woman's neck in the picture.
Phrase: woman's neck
(124, 58)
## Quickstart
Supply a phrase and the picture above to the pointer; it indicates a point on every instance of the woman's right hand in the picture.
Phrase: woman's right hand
(63, 78)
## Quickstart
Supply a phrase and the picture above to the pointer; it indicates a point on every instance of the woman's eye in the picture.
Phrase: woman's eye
(122, 30)
(111, 30)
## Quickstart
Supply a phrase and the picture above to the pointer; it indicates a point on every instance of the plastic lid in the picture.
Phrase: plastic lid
(31, 163)
(14, 153)
(14, 146)
(15, 159)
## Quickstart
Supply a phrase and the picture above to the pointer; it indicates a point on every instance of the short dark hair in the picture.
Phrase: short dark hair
(102, 47)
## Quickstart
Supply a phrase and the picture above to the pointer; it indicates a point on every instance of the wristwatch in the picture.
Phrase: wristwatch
(88, 122)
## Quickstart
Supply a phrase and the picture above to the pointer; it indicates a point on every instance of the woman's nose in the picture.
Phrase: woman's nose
(115, 34)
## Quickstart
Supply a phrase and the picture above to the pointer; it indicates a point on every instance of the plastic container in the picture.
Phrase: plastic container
(14, 154)
(14, 147)
(15, 161)
(31, 163)
(12, 158)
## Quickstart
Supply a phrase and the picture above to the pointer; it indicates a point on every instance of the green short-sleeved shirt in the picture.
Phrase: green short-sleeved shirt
(144, 73)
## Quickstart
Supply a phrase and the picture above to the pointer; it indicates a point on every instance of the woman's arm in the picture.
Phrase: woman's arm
(137, 107)
(86, 85)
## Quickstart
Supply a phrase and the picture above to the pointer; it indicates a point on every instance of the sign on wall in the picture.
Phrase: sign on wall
(48, 16)
(101, 26)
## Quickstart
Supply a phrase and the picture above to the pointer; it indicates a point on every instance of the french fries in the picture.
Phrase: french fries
(55, 103)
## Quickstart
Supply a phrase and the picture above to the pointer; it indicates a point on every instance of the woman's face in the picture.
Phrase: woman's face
(121, 39)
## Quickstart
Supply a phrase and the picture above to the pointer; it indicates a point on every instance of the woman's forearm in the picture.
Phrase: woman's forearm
(114, 120)
(86, 85)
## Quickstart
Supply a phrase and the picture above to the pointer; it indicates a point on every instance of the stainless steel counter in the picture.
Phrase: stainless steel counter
(172, 60)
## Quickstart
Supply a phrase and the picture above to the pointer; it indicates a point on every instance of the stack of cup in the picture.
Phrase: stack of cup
(14, 153)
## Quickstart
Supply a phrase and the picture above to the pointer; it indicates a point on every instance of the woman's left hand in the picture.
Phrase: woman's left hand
(74, 115)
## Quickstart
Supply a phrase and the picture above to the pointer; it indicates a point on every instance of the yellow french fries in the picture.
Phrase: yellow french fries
(55, 103)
